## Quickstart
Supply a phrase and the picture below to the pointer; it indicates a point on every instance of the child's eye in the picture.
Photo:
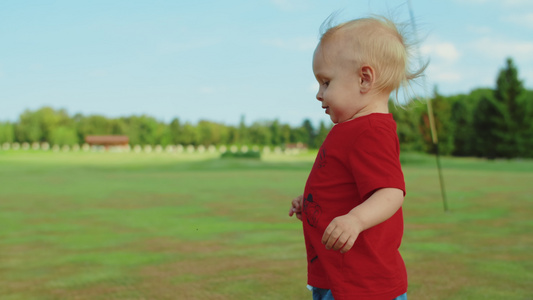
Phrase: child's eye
(325, 83)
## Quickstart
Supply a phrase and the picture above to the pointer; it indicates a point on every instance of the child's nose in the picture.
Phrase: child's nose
(319, 96)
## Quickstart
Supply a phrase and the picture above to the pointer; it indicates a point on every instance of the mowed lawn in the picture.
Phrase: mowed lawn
(169, 226)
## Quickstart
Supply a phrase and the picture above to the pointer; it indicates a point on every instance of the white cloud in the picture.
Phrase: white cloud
(441, 50)
(293, 44)
(525, 20)
(447, 76)
(498, 48)
(443, 73)
(443, 58)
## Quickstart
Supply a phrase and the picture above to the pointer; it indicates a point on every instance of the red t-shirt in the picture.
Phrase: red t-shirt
(357, 158)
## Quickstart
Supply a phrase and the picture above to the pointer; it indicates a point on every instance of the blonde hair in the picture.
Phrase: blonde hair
(377, 42)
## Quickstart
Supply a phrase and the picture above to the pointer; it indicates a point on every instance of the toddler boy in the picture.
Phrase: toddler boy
(351, 206)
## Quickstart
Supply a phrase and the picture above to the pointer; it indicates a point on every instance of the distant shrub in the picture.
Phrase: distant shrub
(241, 154)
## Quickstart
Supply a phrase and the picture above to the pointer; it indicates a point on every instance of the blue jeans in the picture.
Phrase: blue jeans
(323, 294)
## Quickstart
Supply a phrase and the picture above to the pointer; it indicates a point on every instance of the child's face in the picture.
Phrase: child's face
(339, 82)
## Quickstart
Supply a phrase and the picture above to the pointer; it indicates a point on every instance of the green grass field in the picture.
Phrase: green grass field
(168, 226)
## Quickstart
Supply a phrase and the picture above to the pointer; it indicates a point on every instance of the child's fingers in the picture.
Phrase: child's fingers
(337, 240)
(341, 234)
(296, 206)
(297, 202)
(292, 211)
(331, 235)
(348, 245)
(297, 213)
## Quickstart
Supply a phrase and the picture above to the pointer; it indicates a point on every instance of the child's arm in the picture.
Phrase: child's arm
(297, 207)
(342, 232)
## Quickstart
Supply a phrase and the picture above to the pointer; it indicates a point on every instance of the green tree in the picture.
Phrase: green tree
(162, 134)
(233, 135)
(63, 135)
(211, 133)
(28, 129)
(443, 126)
(36, 126)
(525, 141)
(443, 123)
(275, 131)
(92, 125)
(299, 135)
(490, 124)
(508, 91)
(175, 130)
(189, 135)
(321, 134)
(407, 121)
(260, 134)
(242, 137)
(132, 129)
(7, 133)
(141, 130)
(308, 134)
(148, 130)
(118, 127)
(462, 119)
(463, 111)
(285, 134)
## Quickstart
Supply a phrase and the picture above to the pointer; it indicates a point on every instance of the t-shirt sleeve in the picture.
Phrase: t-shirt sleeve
(375, 161)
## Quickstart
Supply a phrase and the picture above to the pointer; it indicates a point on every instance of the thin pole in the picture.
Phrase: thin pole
(430, 114)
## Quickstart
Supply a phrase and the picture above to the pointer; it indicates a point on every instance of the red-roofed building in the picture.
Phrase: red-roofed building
(107, 140)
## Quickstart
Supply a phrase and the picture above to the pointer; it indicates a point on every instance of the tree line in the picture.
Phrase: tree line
(56, 127)
(492, 123)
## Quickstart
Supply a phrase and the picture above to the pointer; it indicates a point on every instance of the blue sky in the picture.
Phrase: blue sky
(219, 60)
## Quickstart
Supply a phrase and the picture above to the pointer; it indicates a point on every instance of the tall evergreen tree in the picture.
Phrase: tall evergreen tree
(492, 141)
(309, 134)
(526, 141)
(462, 118)
(463, 109)
(275, 129)
(508, 91)
(242, 137)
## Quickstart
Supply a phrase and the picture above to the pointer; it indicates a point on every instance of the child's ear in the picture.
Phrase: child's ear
(367, 77)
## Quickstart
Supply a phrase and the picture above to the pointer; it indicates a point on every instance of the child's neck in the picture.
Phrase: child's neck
(377, 104)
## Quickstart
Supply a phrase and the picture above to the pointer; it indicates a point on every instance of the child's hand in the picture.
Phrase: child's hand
(341, 233)
(297, 204)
